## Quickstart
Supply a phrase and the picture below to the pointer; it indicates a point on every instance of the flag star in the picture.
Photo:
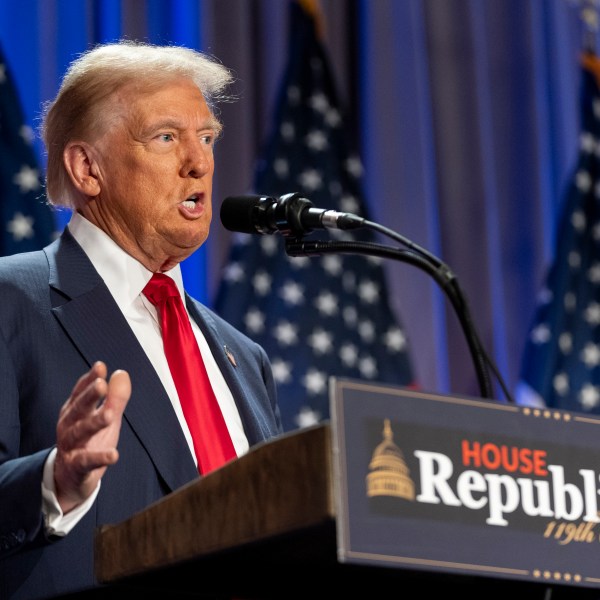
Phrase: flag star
(586, 142)
(540, 334)
(394, 339)
(350, 315)
(589, 396)
(368, 291)
(354, 166)
(288, 132)
(315, 381)
(594, 273)
(307, 417)
(262, 283)
(349, 203)
(20, 226)
(316, 140)
(348, 354)
(578, 220)
(366, 330)
(332, 263)
(281, 167)
(333, 118)
(574, 259)
(373, 260)
(254, 320)
(565, 342)
(282, 370)
(27, 179)
(269, 244)
(368, 367)
(560, 383)
(299, 262)
(286, 333)
(592, 313)
(26, 134)
(327, 303)
(233, 272)
(590, 355)
(570, 301)
(583, 181)
(292, 293)
(310, 179)
(320, 341)
(319, 102)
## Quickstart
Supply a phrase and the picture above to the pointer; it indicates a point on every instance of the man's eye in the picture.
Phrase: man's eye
(166, 137)
(208, 140)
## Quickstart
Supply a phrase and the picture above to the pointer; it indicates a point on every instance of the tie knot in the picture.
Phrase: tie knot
(159, 288)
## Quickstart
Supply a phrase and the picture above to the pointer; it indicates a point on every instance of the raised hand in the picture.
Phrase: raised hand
(87, 433)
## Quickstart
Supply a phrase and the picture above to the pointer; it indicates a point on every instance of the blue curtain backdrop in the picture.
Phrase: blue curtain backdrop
(466, 112)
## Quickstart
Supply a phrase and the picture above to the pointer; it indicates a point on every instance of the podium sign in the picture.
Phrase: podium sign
(462, 485)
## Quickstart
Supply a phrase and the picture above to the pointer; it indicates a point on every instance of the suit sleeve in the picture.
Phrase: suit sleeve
(21, 519)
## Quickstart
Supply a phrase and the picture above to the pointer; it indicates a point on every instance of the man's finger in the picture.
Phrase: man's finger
(119, 390)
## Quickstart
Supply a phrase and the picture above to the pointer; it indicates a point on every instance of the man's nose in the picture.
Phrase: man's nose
(198, 159)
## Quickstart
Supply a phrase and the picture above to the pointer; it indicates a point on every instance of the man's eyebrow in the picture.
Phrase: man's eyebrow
(174, 123)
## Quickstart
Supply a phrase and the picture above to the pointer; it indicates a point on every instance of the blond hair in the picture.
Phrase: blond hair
(81, 108)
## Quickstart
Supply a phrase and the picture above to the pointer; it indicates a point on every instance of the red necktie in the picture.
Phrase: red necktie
(212, 443)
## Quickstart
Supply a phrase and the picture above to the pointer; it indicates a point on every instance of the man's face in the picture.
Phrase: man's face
(156, 167)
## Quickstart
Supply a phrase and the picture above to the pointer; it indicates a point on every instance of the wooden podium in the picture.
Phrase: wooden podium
(263, 526)
(231, 532)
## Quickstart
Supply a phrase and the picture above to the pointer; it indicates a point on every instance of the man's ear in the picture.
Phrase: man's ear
(81, 166)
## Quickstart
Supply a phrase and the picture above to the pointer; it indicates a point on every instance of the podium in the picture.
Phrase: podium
(266, 526)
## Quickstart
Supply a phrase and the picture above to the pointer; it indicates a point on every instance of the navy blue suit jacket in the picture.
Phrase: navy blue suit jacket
(57, 318)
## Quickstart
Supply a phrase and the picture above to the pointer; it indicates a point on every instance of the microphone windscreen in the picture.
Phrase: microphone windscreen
(236, 213)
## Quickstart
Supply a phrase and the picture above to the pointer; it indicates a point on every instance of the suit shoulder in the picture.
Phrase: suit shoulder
(19, 268)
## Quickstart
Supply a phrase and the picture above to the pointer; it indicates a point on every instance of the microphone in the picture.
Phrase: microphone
(291, 215)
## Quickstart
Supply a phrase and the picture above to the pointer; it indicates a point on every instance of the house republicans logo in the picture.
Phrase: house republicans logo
(483, 480)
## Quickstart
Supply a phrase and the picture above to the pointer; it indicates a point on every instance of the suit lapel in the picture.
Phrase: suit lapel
(93, 321)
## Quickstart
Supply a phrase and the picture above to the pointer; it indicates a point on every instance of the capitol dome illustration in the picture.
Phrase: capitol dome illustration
(388, 474)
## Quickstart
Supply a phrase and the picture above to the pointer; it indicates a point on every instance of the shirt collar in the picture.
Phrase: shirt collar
(124, 276)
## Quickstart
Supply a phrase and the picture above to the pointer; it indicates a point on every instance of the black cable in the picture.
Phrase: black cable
(427, 262)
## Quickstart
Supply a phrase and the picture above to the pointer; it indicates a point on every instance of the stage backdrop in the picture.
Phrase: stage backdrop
(465, 113)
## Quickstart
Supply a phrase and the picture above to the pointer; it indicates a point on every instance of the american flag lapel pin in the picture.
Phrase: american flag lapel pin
(230, 356)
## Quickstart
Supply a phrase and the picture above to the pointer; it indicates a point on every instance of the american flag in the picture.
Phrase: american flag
(27, 222)
(561, 363)
(321, 316)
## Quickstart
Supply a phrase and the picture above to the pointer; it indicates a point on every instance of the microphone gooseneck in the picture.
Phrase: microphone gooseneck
(294, 216)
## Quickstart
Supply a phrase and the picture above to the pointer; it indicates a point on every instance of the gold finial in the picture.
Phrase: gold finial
(313, 8)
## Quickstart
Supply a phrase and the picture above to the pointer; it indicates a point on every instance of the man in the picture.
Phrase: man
(130, 140)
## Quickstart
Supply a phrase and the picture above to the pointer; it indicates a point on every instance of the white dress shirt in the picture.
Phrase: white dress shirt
(125, 278)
